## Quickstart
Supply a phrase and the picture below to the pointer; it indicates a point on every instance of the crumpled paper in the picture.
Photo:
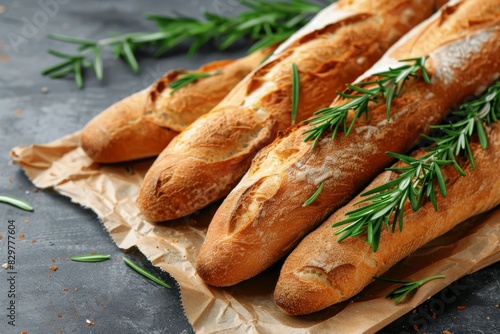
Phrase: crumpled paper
(111, 192)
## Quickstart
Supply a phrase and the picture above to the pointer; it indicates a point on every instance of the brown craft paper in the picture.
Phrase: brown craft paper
(111, 191)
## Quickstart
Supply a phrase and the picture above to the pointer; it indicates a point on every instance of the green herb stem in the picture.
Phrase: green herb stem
(399, 293)
(17, 202)
(295, 92)
(145, 273)
(315, 195)
(91, 257)
(188, 78)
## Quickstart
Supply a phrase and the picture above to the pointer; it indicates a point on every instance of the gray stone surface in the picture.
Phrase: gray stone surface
(109, 294)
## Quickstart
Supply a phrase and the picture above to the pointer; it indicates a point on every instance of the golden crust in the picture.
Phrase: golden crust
(165, 184)
(327, 58)
(176, 111)
(267, 204)
(321, 272)
(121, 133)
(143, 124)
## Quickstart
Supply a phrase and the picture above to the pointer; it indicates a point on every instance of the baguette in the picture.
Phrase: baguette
(143, 124)
(264, 218)
(208, 159)
(321, 272)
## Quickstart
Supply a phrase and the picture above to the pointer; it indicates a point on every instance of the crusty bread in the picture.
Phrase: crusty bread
(208, 158)
(262, 219)
(176, 111)
(121, 132)
(321, 272)
(143, 124)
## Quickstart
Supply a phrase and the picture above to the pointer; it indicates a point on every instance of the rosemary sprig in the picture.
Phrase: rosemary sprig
(389, 85)
(399, 293)
(416, 180)
(91, 56)
(145, 273)
(17, 202)
(268, 23)
(295, 91)
(90, 257)
(187, 78)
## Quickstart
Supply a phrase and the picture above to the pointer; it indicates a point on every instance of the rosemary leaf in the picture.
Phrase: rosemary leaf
(440, 179)
(60, 54)
(91, 257)
(315, 195)
(150, 37)
(258, 21)
(17, 202)
(295, 91)
(186, 79)
(197, 43)
(98, 63)
(61, 73)
(57, 67)
(145, 273)
(130, 58)
(270, 40)
(399, 293)
(77, 68)
(483, 140)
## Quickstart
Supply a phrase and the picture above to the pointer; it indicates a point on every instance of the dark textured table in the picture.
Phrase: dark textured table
(109, 295)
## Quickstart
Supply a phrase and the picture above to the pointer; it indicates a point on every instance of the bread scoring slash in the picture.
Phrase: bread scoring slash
(208, 158)
(262, 219)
